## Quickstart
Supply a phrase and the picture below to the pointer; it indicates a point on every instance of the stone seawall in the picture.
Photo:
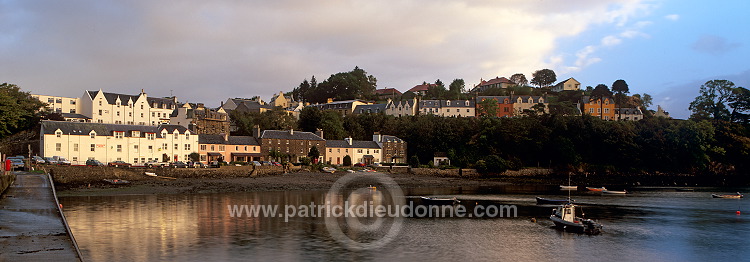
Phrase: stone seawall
(6, 181)
(66, 175)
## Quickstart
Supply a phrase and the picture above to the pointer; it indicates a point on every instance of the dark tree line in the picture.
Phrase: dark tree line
(355, 84)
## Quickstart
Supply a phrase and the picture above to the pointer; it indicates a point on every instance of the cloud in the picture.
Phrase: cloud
(210, 50)
(713, 45)
(672, 17)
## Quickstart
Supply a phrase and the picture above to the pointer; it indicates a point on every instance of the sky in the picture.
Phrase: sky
(209, 51)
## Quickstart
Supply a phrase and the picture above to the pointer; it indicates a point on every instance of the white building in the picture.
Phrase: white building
(401, 108)
(111, 108)
(567, 85)
(60, 104)
(134, 144)
(462, 108)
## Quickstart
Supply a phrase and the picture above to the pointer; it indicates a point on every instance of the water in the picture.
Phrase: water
(649, 225)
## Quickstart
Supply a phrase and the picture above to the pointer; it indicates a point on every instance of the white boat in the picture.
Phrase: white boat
(614, 192)
(149, 173)
(568, 187)
(329, 170)
(564, 217)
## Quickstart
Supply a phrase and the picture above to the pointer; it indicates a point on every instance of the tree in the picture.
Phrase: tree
(620, 87)
(740, 104)
(414, 161)
(332, 125)
(309, 119)
(601, 91)
(519, 79)
(487, 107)
(543, 78)
(456, 89)
(18, 110)
(314, 154)
(194, 156)
(347, 160)
(275, 155)
(355, 84)
(711, 103)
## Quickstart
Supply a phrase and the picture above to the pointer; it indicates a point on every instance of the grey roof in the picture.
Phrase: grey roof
(112, 98)
(243, 140)
(402, 103)
(499, 99)
(355, 144)
(72, 115)
(231, 140)
(83, 128)
(376, 108)
(535, 99)
(387, 138)
(286, 134)
(628, 111)
(211, 139)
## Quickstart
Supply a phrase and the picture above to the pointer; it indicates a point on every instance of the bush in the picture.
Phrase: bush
(414, 161)
(305, 160)
(492, 164)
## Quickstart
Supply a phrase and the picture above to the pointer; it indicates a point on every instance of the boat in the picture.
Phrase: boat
(117, 181)
(564, 217)
(738, 195)
(545, 201)
(568, 187)
(614, 192)
(436, 201)
(597, 189)
(149, 173)
(329, 170)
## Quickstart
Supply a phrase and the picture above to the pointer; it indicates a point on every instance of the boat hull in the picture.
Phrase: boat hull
(430, 201)
(568, 187)
(596, 189)
(544, 201)
(614, 192)
(727, 196)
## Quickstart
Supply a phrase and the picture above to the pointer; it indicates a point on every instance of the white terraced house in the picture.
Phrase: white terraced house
(135, 144)
(111, 108)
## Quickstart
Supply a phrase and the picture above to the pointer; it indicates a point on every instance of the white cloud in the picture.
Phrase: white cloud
(672, 17)
(611, 40)
(245, 48)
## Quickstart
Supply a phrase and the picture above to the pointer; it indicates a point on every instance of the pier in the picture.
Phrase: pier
(32, 226)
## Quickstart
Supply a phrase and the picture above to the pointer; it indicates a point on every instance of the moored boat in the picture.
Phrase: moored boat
(438, 201)
(564, 217)
(596, 189)
(738, 195)
(149, 173)
(614, 192)
(117, 181)
(568, 187)
(546, 201)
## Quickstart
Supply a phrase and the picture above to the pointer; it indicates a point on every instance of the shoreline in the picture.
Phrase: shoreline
(305, 180)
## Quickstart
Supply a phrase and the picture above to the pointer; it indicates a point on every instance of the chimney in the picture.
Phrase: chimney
(348, 140)
(225, 135)
(376, 137)
(256, 131)
(319, 133)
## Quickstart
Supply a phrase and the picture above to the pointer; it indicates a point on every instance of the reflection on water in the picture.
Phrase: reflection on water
(655, 225)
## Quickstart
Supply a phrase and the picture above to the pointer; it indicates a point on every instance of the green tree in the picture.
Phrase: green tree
(543, 78)
(620, 88)
(18, 110)
(194, 156)
(519, 79)
(310, 118)
(347, 160)
(487, 107)
(601, 91)
(332, 125)
(711, 103)
(456, 89)
(313, 154)
(414, 161)
(355, 84)
(739, 102)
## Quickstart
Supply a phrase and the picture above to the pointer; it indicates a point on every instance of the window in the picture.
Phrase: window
(150, 149)
(141, 114)
(58, 133)
(58, 147)
(359, 151)
(118, 113)
(135, 133)
(176, 147)
(606, 110)
(118, 134)
(213, 148)
(100, 112)
(75, 147)
(135, 160)
(72, 111)
(150, 136)
(50, 100)
(119, 148)
(164, 146)
(141, 108)
(330, 150)
(75, 158)
(203, 147)
(135, 148)
(448, 110)
(221, 147)
(591, 110)
(130, 114)
(236, 148)
(598, 110)
(153, 114)
(93, 147)
(187, 147)
(93, 135)
(245, 148)
(100, 102)
(187, 136)
(176, 136)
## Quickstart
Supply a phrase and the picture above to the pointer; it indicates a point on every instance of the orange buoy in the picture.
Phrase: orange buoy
(61, 207)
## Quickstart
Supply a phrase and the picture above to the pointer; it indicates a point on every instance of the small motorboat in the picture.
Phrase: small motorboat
(546, 201)
(568, 187)
(149, 173)
(437, 201)
(117, 181)
(738, 195)
(597, 189)
(329, 170)
(564, 217)
(614, 192)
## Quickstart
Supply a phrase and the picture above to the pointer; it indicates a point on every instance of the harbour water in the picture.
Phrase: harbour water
(651, 224)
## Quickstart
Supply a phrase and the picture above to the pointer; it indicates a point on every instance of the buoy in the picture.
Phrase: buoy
(61, 207)
(738, 212)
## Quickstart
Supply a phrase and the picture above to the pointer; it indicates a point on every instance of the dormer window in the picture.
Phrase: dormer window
(92, 135)
(467, 103)
(58, 133)
(118, 134)
(135, 133)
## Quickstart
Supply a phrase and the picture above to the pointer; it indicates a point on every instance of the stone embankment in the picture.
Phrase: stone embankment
(73, 175)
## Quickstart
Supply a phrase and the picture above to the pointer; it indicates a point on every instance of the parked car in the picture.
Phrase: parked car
(360, 165)
(61, 161)
(256, 163)
(152, 164)
(38, 160)
(119, 163)
(178, 164)
(94, 162)
(196, 164)
(16, 163)
(50, 160)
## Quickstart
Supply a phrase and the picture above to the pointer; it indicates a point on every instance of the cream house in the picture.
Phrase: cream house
(111, 108)
(60, 104)
(567, 85)
(523, 103)
(401, 108)
(134, 144)
(447, 108)
(366, 152)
